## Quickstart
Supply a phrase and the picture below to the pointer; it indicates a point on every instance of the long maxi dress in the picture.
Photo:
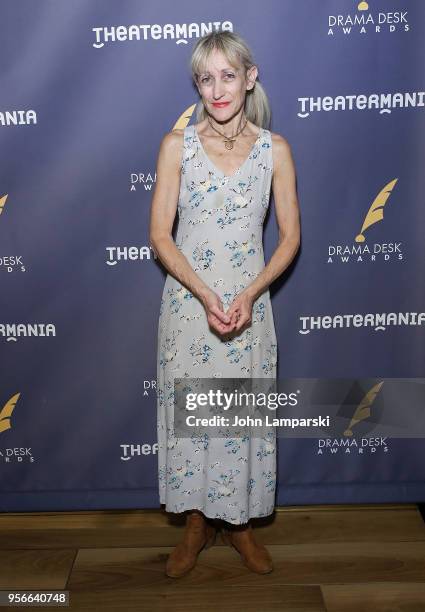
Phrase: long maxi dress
(220, 231)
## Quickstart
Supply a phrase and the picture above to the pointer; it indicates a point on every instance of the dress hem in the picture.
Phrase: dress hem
(254, 516)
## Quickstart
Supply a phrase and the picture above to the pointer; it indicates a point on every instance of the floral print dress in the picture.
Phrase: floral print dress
(220, 232)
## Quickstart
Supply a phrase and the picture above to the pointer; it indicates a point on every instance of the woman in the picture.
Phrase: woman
(216, 318)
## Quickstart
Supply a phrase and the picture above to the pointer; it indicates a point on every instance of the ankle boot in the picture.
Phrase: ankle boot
(197, 536)
(255, 556)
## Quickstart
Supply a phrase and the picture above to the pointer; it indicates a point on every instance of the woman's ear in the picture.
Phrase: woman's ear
(252, 74)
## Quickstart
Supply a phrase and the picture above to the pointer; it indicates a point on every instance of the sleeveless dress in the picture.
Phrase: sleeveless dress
(220, 232)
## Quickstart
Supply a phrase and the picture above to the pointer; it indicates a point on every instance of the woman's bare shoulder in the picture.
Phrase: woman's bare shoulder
(172, 144)
(282, 154)
(279, 141)
(174, 138)
(281, 148)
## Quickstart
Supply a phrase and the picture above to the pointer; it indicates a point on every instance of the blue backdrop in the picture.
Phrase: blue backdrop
(88, 89)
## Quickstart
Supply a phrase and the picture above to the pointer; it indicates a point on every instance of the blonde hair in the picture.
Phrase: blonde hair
(234, 48)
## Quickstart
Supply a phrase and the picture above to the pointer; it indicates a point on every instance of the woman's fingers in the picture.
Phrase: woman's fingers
(219, 326)
(237, 315)
(242, 321)
(222, 316)
(223, 326)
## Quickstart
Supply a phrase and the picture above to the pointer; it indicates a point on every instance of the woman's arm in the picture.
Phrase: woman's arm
(163, 212)
(288, 217)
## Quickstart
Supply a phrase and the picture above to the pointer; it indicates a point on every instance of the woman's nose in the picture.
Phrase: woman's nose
(218, 89)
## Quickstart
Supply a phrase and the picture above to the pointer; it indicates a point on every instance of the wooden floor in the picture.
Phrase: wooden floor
(366, 558)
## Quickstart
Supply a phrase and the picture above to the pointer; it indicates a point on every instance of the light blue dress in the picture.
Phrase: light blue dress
(220, 231)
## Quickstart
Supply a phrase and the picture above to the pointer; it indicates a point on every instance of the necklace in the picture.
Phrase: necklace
(228, 140)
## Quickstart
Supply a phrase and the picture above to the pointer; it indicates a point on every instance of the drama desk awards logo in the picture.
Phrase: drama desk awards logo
(16, 454)
(348, 443)
(361, 251)
(368, 19)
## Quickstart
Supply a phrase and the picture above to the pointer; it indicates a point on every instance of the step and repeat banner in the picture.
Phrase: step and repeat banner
(87, 91)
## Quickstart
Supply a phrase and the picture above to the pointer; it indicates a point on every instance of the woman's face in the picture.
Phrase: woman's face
(223, 87)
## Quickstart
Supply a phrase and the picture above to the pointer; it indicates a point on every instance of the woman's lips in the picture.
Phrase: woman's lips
(220, 104)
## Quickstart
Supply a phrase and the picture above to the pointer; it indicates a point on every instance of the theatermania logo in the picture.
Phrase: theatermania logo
(368, 19)
(362, 251)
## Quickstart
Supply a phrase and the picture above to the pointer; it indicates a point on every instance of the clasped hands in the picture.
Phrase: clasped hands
(237, 315)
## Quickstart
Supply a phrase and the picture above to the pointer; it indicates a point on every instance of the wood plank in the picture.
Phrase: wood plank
(309, 564)
(375, 523)
(35, 569)
(377, 597)
(284, 598)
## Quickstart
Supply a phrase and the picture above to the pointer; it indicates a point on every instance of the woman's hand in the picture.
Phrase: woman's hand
(217, 318)
(240, 310)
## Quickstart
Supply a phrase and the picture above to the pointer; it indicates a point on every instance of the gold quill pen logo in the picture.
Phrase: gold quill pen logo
(376, 211)
(363, 409)
(184, 118)
(6, 412)
(3, 202)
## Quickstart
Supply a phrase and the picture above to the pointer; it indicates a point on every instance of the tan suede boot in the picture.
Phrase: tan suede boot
(198, 535)
(255, 556)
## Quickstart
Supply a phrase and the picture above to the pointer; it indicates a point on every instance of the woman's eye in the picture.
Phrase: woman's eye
(207, 79)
